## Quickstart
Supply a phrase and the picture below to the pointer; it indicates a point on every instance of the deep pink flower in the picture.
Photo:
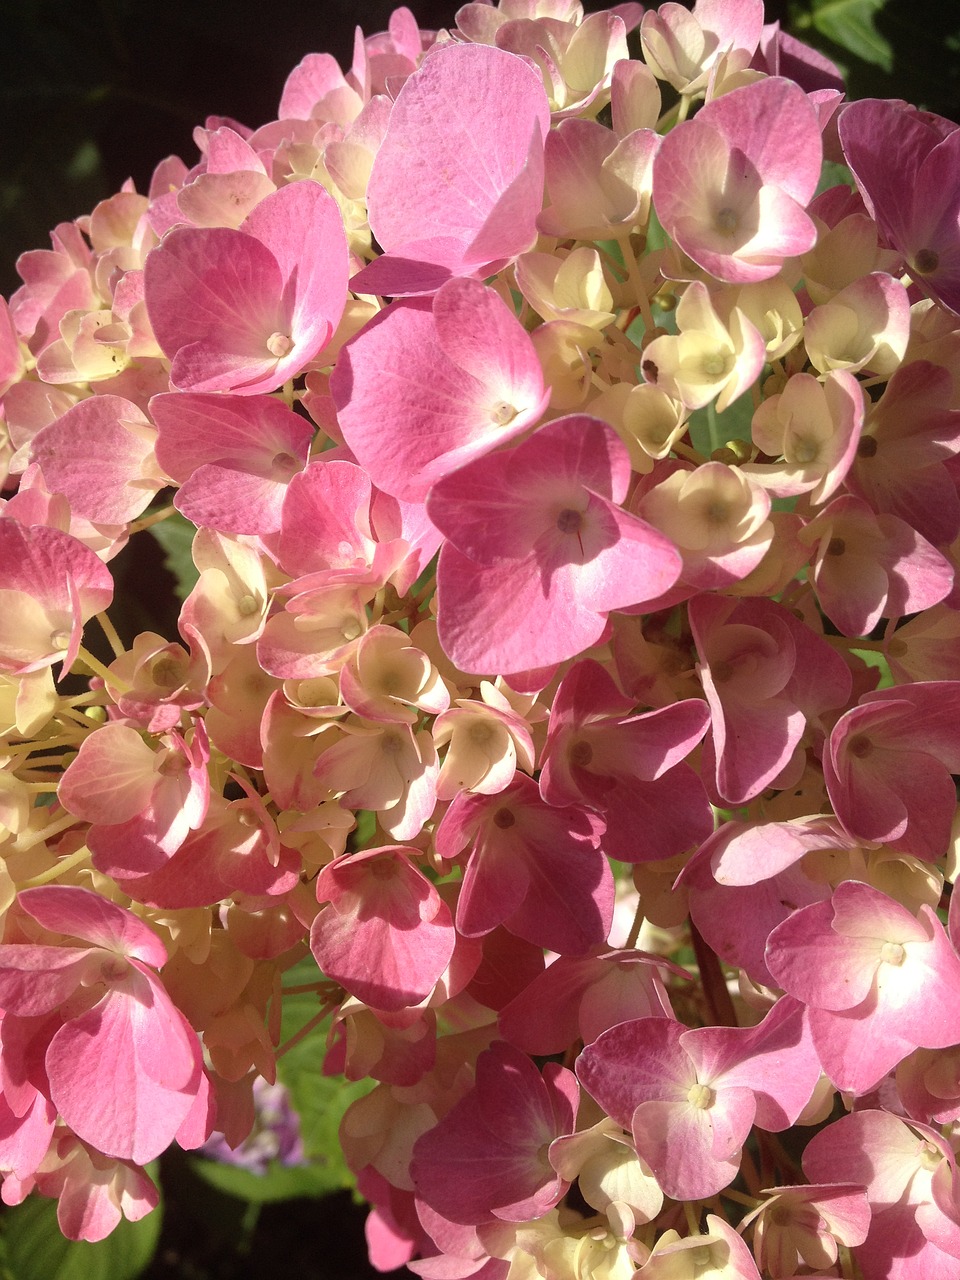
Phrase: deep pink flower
(536, 869)
(629, 767)
(488, 1157)
(905, 163)
(384, 934)
(539, 550)
(766, 676)
(889, 763)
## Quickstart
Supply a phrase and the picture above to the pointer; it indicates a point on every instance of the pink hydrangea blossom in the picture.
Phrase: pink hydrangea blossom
(245, 309)
(731, 186)
(538, 550)
(123, 1064)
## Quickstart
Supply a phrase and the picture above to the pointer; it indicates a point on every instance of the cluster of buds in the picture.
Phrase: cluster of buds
(572, 667)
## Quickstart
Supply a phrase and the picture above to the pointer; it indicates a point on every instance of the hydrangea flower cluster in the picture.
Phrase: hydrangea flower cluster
(575, 474)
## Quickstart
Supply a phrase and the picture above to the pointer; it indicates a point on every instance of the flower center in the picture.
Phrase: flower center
(503, 413)
(279, 345)
(701, 1096)
(926, 262)
(727, 222)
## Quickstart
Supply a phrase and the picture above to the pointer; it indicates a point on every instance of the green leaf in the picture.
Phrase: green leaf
(710, 430)
(279, 1182)
(850, 24)
(319, 1100)
(873, 658)
(176, 535)
(34, 1249)
(834, 175)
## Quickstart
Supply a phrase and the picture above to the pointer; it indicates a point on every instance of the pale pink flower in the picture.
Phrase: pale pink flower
(691, 1097)
(908, 437)
(245, 309)
(802, 1226)
(682, 47)
(458, 180)
(50, 585)
(140, 801)
(731, 186)
(124, 1065)
(719, 1252)
(909, 1173)
(93, 1191)
(878, 981)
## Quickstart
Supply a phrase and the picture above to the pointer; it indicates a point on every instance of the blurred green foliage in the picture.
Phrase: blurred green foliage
(32, 1248)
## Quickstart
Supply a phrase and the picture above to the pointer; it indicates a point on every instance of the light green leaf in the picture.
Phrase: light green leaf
(34, 1249)
(873, 658)
(175, 535)
(834, 175)
(849, 23)
(710, 430)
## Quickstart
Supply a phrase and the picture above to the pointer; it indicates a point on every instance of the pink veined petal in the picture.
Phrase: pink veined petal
(386, 935)
(248, 431)
(213, 297)
(99, 454)
(81, 913)
(747, 855)
(112, 779)
(501, 618)
(774, 123)
(435, 162)
(411, 412)
(35, 980)
(104, 1070)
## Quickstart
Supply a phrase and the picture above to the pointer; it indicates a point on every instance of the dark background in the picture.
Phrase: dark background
(93, 93)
